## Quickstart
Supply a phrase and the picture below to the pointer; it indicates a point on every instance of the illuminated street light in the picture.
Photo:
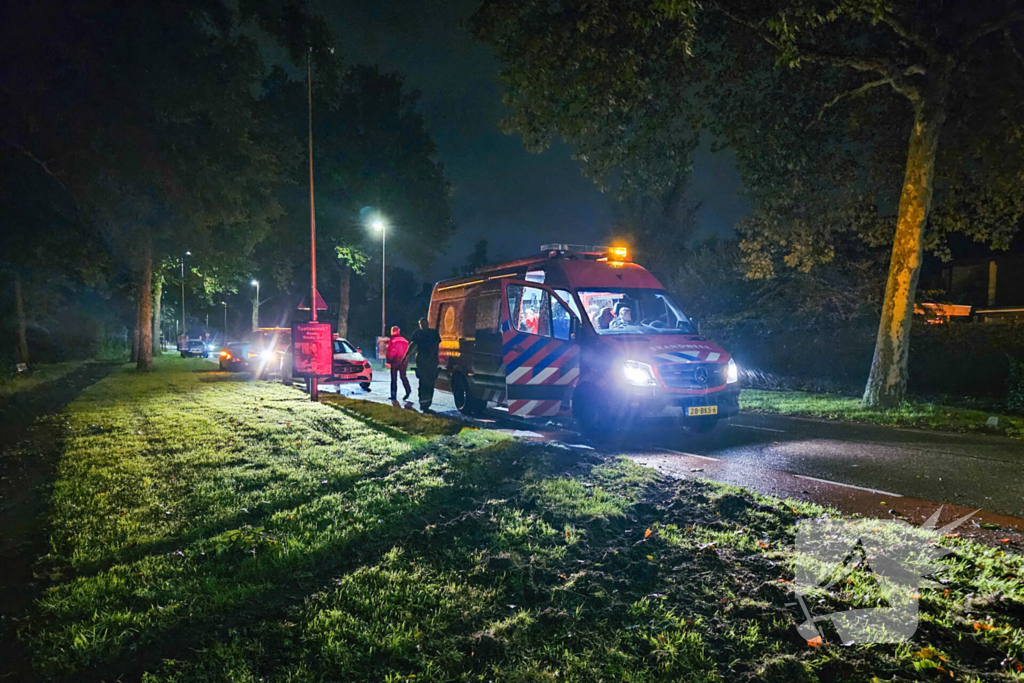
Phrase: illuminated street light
(183, 329)
(379, 224)
(256, 305)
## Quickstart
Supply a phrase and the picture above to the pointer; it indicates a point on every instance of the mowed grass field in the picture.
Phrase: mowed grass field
(208, 528)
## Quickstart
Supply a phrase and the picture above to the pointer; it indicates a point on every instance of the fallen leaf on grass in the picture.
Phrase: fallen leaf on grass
(815, 641)
(979, 626)
(1004, 540)
(763, 544)
(648, 533)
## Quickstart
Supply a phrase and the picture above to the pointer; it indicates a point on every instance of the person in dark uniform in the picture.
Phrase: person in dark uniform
(425, 343)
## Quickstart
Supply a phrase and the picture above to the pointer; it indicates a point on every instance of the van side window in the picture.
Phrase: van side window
(488, 313)
(561, 321)
(530, 309)
(568, 298)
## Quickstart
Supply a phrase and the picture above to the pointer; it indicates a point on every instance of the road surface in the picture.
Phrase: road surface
(755, 450)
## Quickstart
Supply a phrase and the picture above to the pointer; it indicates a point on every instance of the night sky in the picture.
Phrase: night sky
(514, 199)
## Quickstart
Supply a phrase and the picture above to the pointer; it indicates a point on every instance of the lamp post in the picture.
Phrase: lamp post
(183, 328)
(379, 224)
(225, 304)
(256, 305)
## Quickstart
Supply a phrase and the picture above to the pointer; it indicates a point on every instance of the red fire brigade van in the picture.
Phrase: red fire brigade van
(577, 331)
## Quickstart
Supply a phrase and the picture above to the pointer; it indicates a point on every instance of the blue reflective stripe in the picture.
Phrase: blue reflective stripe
(507, 346)
(524, 355)
(551, 358)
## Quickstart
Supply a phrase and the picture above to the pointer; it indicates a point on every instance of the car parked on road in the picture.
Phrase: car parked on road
(234, 357)
(194, 348)
(267, 349)
(348, 366)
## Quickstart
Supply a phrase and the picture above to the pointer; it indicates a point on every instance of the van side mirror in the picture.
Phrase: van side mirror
(696, 324)
(574, 327)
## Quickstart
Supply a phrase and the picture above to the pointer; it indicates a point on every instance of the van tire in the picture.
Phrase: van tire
(591, 412)
(466, 403)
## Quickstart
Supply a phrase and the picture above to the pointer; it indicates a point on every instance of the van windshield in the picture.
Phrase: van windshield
(634, 311)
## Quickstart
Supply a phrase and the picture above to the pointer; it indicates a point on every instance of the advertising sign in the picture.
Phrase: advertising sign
(312, 350)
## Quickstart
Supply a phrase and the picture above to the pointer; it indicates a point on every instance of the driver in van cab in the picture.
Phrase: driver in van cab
(623, 316)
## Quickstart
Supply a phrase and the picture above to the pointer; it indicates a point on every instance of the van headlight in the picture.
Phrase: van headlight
(268, 355)
(734, 373)
(638, 374)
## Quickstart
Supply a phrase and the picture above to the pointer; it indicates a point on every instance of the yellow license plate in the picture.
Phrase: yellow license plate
(702, 410)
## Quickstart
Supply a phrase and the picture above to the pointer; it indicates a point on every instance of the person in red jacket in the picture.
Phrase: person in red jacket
(398, 347)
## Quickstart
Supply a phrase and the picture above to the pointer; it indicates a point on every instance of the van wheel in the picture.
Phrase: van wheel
(466, 403)
(591, 413)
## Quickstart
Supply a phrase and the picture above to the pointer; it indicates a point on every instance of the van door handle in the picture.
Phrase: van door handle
(517, 349)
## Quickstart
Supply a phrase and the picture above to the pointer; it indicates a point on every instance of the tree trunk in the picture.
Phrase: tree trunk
(134, 357)
(343, 300)
(158, 292)
(887, 383)
(19, 305)
(145, 295)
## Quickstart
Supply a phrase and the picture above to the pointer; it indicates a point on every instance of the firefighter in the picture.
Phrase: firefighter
(398, 347)
(425, 343)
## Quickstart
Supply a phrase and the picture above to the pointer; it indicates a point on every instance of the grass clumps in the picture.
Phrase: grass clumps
(913, 414)
(381, 414)
(233, 531)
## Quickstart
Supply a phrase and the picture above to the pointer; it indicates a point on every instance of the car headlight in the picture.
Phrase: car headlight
(268, 355)
(734, 373)
(638, 374)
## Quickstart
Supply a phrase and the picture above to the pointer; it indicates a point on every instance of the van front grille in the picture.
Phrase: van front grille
(694, 375)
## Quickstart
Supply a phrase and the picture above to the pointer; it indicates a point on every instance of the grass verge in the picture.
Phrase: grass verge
(383, 415)
(41, 374)
(916, 414)
(207, 528)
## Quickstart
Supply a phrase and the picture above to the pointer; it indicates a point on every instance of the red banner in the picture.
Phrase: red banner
(312, 350)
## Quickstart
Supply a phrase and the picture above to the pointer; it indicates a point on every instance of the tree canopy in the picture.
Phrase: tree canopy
(817, 99)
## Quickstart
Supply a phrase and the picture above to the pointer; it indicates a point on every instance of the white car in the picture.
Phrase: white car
(348, 366)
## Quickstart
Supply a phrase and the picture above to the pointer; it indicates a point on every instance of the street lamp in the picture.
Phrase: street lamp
(225, 304)
(256, 306)
(187, 253)
(379, 224)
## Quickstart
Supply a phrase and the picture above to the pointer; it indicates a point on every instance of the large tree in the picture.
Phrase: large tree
(144, 113)
(630, 83)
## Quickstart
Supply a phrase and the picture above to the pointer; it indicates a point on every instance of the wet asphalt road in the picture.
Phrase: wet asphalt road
(815, 459)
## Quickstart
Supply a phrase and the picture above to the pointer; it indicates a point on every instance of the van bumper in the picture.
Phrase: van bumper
(655, 402)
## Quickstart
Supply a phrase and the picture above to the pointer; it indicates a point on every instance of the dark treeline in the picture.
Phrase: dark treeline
(144, 146)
